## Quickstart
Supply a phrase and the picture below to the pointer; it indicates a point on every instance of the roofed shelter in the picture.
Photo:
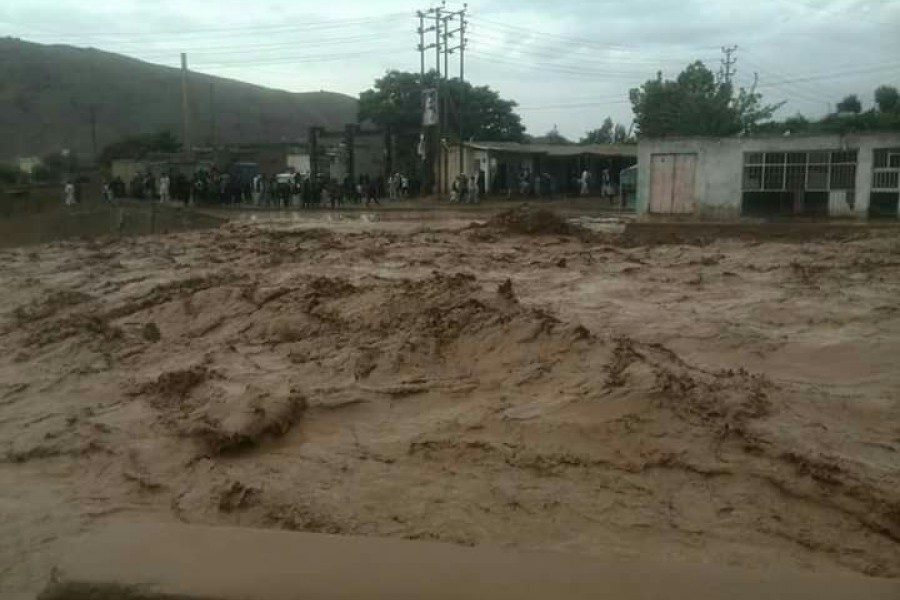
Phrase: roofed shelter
(501, 164)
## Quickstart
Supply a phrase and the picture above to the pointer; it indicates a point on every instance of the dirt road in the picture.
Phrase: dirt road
(728, 403)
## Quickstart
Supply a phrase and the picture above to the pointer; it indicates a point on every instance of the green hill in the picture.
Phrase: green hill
(47, 93)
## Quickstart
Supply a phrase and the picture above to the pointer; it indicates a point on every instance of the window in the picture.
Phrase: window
(843, 177)
(843, 170)
(821, 170)
(886, 171)
(773, 179)
(753, 158)
(795, 177)
(817, 177)
(753, 177)
(844, 156)
(886, 180)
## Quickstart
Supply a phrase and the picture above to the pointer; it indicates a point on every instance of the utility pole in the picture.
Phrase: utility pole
(448, 50)
(445, 103)
(728, 71)
(446, 33)
(422, 48)
(439, 178)
(185, 106)
(212, 115)
(350, 145)
(462, 86)
(314, 154)
(94, 131)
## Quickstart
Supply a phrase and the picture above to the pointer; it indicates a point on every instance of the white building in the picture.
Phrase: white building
(854, 175)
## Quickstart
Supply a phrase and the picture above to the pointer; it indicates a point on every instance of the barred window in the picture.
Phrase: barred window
(821, 170)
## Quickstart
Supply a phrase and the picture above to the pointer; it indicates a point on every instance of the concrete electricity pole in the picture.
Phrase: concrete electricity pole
(94, 132)
(448, 33)
(728, 62)
(185, 106)
(212, 115)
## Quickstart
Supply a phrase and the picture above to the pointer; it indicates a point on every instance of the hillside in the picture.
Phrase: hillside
(46, 94)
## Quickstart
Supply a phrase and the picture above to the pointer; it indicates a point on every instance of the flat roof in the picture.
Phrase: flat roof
(775, 136)
(558, 149)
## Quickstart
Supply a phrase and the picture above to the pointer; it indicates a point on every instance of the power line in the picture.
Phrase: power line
(261, 28)
(594, 74)
(566, 38)
(592, 57)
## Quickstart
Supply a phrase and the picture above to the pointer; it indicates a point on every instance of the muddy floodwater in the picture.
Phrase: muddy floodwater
(458, 378)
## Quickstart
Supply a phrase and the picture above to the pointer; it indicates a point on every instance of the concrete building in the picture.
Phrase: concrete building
(854, 175)
(501, 164)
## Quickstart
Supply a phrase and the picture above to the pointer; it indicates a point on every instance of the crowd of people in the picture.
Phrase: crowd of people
(296, 190)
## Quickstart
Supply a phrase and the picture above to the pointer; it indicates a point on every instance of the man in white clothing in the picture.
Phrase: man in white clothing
(164, 188)
(585, 182)
(70, 193)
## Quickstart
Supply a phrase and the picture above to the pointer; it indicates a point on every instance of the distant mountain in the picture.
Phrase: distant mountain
(47, 93)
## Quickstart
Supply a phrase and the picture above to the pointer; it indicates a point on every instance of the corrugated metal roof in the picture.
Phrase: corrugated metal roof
(558, 149)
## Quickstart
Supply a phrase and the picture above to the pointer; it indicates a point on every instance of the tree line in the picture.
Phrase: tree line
(698, 102)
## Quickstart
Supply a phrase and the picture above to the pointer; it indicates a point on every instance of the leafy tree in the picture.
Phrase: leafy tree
(887, 98)
(608, 133)
(551, 137)
(850, 104)
(697, 103)
(395, 102)
(139, 146)
(849, 117)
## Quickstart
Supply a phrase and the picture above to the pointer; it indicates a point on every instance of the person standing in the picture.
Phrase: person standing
(69, 193)
(606, 187)
(473, 189)
(164, 183)
(372, 193)
(585, 182)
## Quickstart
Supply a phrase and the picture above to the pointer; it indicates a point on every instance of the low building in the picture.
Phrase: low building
(854, 175)
(560, 165)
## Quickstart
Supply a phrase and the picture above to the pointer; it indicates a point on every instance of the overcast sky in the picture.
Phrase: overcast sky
(568, 63)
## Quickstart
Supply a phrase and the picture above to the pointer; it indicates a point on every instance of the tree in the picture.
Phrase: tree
(395, 102)
(608, 133)
(697, 103)
(850, 104)
(604, 135)
(552, 137)
(887, 98)
(139, 146)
